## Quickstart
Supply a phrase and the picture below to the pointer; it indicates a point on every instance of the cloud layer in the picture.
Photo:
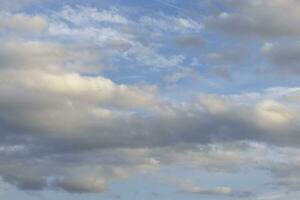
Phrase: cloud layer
(90, 96)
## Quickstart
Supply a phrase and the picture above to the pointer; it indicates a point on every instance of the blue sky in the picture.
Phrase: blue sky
(158, 99)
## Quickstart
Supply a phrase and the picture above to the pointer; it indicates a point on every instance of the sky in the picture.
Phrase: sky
(156, 99)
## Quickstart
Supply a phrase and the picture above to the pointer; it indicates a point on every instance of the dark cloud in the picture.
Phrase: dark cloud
(283, 57)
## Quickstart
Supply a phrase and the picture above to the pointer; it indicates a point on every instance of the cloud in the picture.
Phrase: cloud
(118, 37)
(34, 54)
(214, 103)
(217, 191)
(61, 118)
(52, 118)
(81, 15)
(94, 90)
(30, 54)
(67, 122)
(260, 18)
(223, 71)
(283, 57)
(228, 56)
(167, 23)
(82, 185)
(187, 41)
(23, 23)
(272, 113)
(184, 73)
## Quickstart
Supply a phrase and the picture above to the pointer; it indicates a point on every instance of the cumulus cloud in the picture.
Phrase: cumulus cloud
(59, 115)
(53, 115)
(72, 128)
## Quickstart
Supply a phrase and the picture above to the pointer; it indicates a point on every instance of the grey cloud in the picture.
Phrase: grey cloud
(261, 18)
(223, 71)
(193, 41)
(237, 56)
(81, 186)
(69, 131)
(62, 122)
(30, 54)
(284, 57)
(286, 175)
(49, 56)
(226, 60)
(286, 171)
(107, 122)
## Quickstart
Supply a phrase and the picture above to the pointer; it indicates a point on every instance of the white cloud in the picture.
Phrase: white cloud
(85, 15)
(23, 23)
(215, 103)
(203, 191)
(273, 114)
(170, 24)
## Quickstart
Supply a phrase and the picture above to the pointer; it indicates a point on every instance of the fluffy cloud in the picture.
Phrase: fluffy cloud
(72, 128)
(57, 115)
(50, 117)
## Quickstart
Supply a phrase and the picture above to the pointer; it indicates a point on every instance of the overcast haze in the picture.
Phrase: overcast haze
(154, 99)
